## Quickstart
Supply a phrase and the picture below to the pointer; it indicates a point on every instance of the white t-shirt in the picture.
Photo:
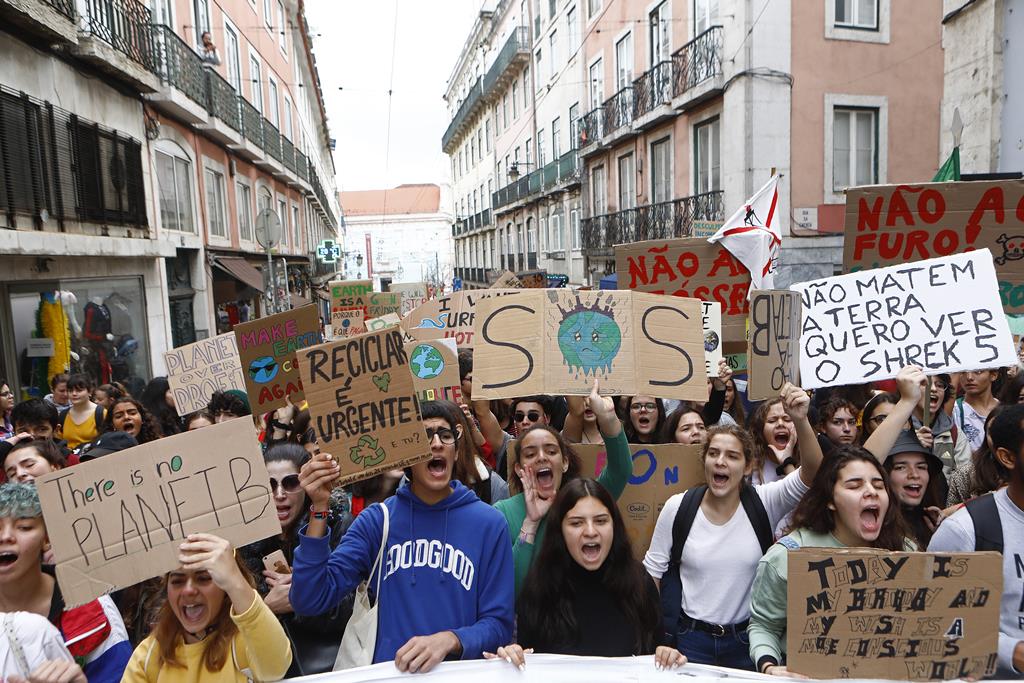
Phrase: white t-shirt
(719, 562)
(956, 534)
(970, 423)
(38, 639)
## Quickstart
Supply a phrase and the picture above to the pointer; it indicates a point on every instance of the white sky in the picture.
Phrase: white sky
(353, 51)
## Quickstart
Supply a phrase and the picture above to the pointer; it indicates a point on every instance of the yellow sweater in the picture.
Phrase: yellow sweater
(261, 647)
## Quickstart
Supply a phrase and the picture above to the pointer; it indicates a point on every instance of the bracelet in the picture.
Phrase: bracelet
(319, 514)
(526, 538)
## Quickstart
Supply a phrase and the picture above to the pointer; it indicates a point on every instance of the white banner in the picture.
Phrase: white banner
(943, 314)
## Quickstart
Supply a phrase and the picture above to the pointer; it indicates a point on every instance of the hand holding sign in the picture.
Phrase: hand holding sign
(911, 382)
(215, 556)
(317, 479)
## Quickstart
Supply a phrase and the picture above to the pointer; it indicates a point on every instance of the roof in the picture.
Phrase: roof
(404, 199)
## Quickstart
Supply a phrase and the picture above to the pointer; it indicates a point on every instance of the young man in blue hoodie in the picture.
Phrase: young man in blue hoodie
(447, 587)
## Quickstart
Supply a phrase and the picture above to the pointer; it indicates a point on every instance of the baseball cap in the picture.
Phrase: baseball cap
(105, 444)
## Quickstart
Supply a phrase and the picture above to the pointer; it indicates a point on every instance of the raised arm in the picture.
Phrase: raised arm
(911, 382)
(489, 426)
(796, 402)
(572, 430)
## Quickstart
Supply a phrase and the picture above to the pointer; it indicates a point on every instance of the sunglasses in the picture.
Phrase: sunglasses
(446, 435)
(649, 407)
(290, 484)
(533, 415)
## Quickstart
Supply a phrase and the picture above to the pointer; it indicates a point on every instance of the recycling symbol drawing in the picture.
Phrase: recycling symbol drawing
(367, 452)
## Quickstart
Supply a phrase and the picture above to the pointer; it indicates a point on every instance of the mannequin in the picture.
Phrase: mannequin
(97, 332)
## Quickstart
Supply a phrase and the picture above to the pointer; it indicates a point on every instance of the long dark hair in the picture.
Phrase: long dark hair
(515, 484)
(934, 496)
(877, 401)
(736, 409)
(813, 512)
(150, 429)
(295, 455)
(668, 430)
(989, 473)
(756, 429)
(154, 398)
(545, 603)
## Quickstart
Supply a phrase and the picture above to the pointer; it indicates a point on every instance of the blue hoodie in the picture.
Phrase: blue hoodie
(448, 567)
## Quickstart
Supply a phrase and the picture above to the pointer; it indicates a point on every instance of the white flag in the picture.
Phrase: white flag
(752, 235)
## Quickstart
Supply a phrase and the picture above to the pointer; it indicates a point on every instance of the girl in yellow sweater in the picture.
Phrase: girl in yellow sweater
(213, 628)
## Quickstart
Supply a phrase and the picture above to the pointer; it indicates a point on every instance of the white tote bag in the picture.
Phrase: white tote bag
(360, 637)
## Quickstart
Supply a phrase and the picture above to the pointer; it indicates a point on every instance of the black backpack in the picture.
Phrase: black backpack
(671, 586)
(988, 528)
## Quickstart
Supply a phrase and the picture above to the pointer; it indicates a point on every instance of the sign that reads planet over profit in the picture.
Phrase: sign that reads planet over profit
(557, 341)
(435, 370)
(267, 348)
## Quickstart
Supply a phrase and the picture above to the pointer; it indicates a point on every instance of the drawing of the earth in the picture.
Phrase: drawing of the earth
(426, 362)
(589, 341)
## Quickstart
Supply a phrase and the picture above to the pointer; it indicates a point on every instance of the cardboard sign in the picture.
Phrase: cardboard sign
(119, 519)
(689, 267)
(451, 316)
(711, 317)
(507, 280)
(435, 370)
(347, 323)
(863, 614)
(659, 472)
(893, 224)
(556, 341)
(774, 346)
(267, 349)
(413, 294)
(533, 279)
(196, 371)
(942, 314)
(363, 404)
(387, 320)
(347, 295)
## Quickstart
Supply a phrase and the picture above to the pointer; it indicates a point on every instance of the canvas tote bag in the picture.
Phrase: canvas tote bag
(360, 637)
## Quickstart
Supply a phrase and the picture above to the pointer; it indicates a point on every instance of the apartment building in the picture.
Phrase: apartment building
(686, 106)
(133, 167)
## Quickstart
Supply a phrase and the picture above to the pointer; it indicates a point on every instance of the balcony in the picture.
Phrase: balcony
(118, 38)
(618, 115)
(591, 130)
(225, 121)
(652, 96)
(464, 226)
(52, 19)
(250, 145)
(514, 53)
(667, 220)
(697, 70)
(553, 177)
(183, 92)
(470, 106)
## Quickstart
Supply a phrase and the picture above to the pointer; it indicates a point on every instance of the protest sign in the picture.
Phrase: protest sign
(362, 403)
(862, 613)
(435, 370)
(659, 472)
(893, 224)
(347, 295)
(450, 316)
(195, 371)
(347, 323)
(507, 280)
(413, 294)
(689, 267)
(711, 317)
(386, 320)
(942, 314)
(119, 519)
(533, 279)
(774, 346)
(267, 349)
(557, 341)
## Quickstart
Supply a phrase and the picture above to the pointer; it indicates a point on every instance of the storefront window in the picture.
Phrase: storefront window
(96, 326)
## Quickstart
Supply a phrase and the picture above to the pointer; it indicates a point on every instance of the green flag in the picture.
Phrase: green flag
(950, 170)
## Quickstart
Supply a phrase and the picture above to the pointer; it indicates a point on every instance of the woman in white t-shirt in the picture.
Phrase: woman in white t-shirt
(719, 555)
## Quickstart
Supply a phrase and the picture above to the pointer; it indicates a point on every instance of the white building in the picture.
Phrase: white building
(403, 234)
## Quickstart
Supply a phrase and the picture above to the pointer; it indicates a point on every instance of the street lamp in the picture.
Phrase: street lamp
(513, 171)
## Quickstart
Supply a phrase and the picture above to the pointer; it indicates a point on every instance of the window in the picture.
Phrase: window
(572, 25)
(624, 62)
(556, 146)
(234, 65)
(552, 6)
(202, 10)
(541, 156)
(286, 121)
(593, 7)
(861, 14)
(529, 149)
(599, 191)
(854, 145)
(487, 135)
(705, 15)
(515, 100)
(661, 171)
(706, 161)
(661, 30)
(282, 32)
(627, 183)
(282, 214)
(574, 119)
(243, 197)
(555, 223)
(272, 101)
(574, 220)
(267, 14)
(539, 61)
(490, 192)
(256, 83)
(531, 236)
(479, 144)
(504, 110)
(553, 52)
(173, 174)
(596, 84)
(215, 202)
(526, 86)
(296, 229)
(545, 238)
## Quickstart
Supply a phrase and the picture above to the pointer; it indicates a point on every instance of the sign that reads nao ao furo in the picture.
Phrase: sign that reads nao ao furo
(942, 314)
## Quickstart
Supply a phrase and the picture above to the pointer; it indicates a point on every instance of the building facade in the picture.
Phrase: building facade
(680, 111)
(403, 234)
(135, 165)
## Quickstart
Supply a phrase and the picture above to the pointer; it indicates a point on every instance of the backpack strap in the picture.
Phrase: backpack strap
(98, 417)
(988, 528)
(684, 522)
(758, 516)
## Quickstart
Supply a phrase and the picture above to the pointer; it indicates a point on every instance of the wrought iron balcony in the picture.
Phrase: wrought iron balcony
(569, 167)
(463, 226)
(288, 154)
(560, 173)
(178, 65)
(591, 127)
(125, 25)
(222, 100)
(666, 220)
(65, 7)
(301, 166)
(697, 61)
(652, 89)
(272, 140)
(252, 122)
(618, 110)
(515, 51)
(468, 107)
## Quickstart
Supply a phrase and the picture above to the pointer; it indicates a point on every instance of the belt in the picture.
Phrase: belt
(717, 630)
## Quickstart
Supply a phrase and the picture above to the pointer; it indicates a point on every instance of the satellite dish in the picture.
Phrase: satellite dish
(268, 229)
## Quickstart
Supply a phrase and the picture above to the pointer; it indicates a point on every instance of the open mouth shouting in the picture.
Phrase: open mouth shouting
(7, 559)
(193, 616)
(591, 553)
(781, 437)
(913, 493)
(284, 511)
(545, 477)
(437, 467)
(870, 521)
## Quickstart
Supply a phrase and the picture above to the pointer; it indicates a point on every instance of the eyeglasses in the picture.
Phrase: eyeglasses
(649, 407)
(446, 435)
(290, 484)
(6, 394)
(521, 416)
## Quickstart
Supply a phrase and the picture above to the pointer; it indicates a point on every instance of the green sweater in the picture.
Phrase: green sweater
(614, 478)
